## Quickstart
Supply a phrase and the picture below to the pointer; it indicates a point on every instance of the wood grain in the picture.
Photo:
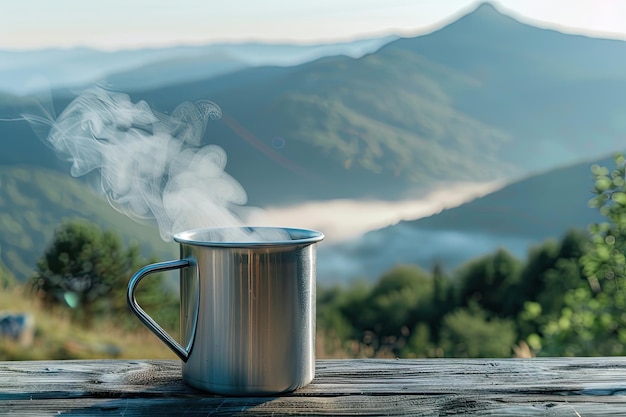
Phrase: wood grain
(429, 387)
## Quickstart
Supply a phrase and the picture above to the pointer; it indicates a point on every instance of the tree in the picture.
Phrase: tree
(490, 282)
(382, 316)
(593, 321)
(565, 274)
(605, 264)
(443, 302)
(331, 323)
(551, 270)
(470, 333)
(401, 298)
(87, 270)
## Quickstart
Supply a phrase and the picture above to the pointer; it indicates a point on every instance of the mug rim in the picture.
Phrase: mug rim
(299, 236)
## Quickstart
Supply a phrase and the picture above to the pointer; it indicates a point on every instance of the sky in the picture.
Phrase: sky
(129, 24)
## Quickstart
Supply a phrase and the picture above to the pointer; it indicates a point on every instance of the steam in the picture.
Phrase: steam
(151, 164)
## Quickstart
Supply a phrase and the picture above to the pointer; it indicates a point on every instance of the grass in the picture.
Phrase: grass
(57, 336)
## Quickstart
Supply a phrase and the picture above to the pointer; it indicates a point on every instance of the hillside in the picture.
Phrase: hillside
(541, 206)
(174, 71)
(34, 201)
(557, 95)
(515, 217)
(485, 97)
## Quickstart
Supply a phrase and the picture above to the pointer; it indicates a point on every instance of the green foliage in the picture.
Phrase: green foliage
(401, 297)
(551, 270)
(490, 282)
(567, 298)
(421, 343)
(587, 326)
(605, 264)
(86, 270)
(34, 201)
(494, 306)
(540, 260)
(468, 332)
(412, 313)
(382, 315)
(593, 320)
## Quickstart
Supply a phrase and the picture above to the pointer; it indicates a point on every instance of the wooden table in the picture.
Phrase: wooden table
(427, 387)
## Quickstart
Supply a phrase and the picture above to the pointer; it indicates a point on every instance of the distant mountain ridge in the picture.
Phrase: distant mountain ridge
(24, 72)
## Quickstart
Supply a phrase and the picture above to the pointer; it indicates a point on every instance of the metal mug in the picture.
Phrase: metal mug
(247, 309)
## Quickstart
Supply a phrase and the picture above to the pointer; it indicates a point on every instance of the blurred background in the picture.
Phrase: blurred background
(463, 160)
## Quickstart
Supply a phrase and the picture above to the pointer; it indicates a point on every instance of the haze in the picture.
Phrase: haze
(118, 24)
(352, 218)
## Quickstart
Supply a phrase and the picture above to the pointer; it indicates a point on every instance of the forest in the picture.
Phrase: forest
(567, 298)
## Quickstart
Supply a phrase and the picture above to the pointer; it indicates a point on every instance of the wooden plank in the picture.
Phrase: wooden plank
(430, 387)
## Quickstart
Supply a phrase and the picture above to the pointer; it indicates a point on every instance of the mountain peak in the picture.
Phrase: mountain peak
(486, 8)
(486, 18)
(487, 11)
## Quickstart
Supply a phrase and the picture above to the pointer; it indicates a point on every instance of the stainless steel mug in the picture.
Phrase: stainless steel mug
(247, 313)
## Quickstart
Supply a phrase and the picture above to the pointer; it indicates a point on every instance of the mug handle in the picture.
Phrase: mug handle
(143, 316)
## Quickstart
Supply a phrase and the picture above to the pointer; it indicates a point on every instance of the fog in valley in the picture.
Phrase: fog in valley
(344, 219)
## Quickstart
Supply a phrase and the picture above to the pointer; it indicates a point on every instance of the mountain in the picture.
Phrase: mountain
(30, 71)
(484, 98)
(34, 201)
(291, 134)
(174, 71)
(558, 96)
(350, 129)
(515, 217)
